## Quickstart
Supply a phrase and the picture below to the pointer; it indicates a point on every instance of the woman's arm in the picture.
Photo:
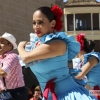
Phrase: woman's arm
(51, 49)
(93, 61)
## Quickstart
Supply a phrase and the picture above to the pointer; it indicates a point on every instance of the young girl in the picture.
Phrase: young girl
(53, 52)
(37, 93)
(90, 63)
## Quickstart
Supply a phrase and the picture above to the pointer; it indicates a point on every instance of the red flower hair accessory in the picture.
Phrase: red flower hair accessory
(58, 13)
(80, 38)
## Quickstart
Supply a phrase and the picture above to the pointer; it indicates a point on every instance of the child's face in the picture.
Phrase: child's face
(5, 46)
(37, 93)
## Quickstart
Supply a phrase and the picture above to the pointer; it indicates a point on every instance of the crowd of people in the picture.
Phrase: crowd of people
(48, 54)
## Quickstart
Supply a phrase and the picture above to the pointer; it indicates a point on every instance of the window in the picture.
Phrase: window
(83, 21)
(95, 21)
(97, 46)
(70, 25)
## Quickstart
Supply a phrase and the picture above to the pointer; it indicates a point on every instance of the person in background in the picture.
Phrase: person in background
(53, 52)
(89, 63)
(37, 94)
(30, 93)
(12, 85)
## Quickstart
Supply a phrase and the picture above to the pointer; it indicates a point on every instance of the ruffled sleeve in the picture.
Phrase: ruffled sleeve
(95, 54)
(73, 46)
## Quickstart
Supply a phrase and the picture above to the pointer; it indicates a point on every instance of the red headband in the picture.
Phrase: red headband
(58, 13)
(80, 38)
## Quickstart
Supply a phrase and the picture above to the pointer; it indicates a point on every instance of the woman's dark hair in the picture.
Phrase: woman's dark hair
(47, 12)
(53, 13)
(88, 45)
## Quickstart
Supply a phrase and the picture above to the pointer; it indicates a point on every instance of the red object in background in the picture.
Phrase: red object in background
(96, 95)
(80, 38)
(58, 13)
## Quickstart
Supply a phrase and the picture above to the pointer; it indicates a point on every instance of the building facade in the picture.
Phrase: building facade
(83, 16)
(16, 16)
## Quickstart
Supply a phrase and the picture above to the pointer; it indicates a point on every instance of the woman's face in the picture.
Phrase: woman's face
(41, 24)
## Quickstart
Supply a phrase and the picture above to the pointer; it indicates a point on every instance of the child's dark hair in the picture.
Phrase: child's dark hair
(88, 45)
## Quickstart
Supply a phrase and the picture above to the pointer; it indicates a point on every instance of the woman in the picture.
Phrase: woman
(53, 50)
(90, 63)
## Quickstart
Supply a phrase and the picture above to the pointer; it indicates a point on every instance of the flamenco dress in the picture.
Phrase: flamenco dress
(53, 73)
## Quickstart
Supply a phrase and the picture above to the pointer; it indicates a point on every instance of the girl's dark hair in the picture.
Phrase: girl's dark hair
(47, 12)
(85, 44)
(88, 45)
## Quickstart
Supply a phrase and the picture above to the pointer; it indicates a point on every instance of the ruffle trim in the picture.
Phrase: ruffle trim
(95, 54)
(77, 93)
(73, 46)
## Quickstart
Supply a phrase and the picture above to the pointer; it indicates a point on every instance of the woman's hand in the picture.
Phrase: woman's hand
(21, 48)
(22, 44)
